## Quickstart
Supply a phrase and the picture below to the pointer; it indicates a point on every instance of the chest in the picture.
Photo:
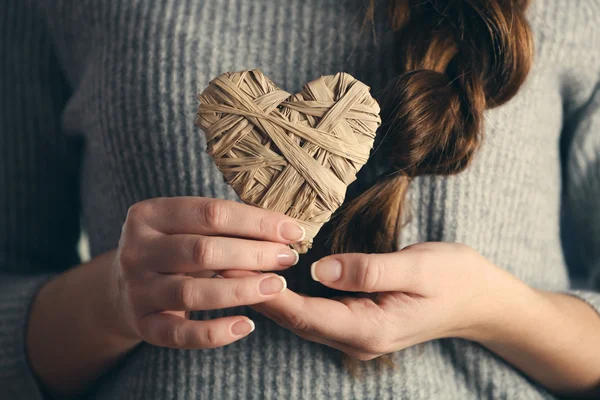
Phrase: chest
(137, 66)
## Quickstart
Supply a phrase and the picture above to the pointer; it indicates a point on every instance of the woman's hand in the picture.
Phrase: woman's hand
(423, 292)
(142, 291)
(169, 250)
(438, 290)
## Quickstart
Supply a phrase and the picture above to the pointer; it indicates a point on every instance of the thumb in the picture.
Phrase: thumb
(368, 273)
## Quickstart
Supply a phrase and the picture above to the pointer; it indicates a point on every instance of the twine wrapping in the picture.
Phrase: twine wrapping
(295, 154)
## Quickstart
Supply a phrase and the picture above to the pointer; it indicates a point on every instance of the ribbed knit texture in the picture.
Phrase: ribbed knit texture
(97, 104)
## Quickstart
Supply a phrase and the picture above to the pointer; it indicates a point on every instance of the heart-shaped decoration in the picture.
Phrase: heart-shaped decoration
(294, 154)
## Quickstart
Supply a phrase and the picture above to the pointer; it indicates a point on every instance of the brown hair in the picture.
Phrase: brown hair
(455, 59)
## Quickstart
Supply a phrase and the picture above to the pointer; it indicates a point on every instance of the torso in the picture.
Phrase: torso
(136, 68)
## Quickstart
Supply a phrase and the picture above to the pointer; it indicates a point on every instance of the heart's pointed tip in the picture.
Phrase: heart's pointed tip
(302, 247)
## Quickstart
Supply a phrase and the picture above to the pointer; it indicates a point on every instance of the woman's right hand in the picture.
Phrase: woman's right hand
(168, 252)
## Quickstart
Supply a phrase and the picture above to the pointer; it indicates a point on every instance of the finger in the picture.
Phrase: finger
(168, 330)
(363, 341)
(184, 293)
(344, 348)
(312, 315)
(190, 253)
(204, 216)
(305, 335)
(399, 271)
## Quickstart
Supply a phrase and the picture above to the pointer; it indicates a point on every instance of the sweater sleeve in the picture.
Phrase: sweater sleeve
(582, 197)
(39, 207)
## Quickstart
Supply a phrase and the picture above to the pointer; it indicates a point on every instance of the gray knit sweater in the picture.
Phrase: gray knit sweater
(97, 104)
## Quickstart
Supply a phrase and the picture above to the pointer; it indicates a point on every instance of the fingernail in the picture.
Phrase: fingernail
(242, 328)
(291, 231)
(273, 285)
(326, 270)
(288, 257)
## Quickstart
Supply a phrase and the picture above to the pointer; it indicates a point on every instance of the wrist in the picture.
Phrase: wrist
(506, 306)
(91, 290)
(525, 335)
(74, 311)
(110, 311)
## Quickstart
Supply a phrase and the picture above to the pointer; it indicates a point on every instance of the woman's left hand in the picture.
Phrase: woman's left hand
(430, 291)
(420, 293)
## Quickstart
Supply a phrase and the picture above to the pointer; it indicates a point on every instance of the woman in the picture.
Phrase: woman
(98, 104)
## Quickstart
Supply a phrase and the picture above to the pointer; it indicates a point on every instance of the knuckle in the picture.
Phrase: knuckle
(205, 251)
(186, 295)
(141, 209)
(241, 293)
(134, 210)
(367, 274)
(420, 253)
(296, 322)
(136, 224)
(211, 338)
(129, 257)
(174, 336)
(263, 225)
(214, 213)
(131, 228)
(261, 256)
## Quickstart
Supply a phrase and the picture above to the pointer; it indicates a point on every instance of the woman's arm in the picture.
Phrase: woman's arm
(83, 322)
(70, 327)
(553, 338)
(76, 331)
(39, 226)
(39, 164)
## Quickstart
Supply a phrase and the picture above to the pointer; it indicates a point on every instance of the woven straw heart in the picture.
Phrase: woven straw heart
(294, 154)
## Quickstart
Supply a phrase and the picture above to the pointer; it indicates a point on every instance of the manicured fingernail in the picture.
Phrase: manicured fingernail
(329, 270)
(242, 328)
(272, 285)
(287, 257)
(291, 231)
